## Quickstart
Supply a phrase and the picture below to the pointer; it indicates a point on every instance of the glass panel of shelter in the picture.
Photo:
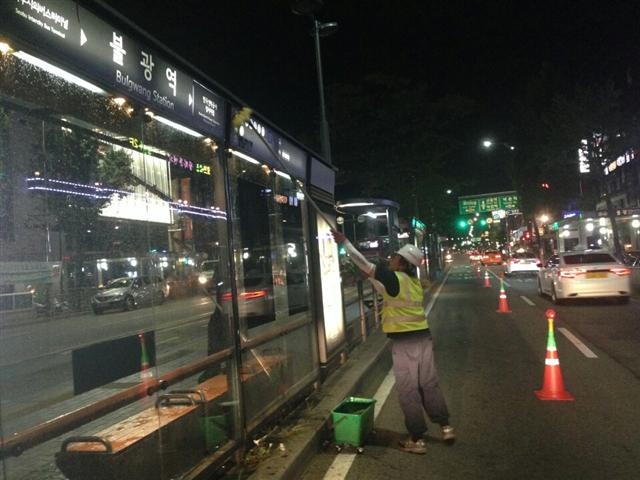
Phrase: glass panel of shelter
(109, 194)
(272, 281)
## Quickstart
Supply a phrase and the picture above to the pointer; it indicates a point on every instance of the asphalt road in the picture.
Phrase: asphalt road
(490, 364)
(36, 372)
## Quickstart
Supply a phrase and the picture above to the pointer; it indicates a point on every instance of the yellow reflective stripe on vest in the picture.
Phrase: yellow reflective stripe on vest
(404, 312)
(404, 318)
(392, 302)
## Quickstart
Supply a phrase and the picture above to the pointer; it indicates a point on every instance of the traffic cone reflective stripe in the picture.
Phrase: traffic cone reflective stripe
(552, 385)
(503, 305)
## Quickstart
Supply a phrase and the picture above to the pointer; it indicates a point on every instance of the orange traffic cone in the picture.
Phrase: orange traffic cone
(487, 282)
(552, 385)
(503, 306)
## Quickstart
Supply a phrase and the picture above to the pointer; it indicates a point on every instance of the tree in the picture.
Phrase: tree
(551, 122)
(71, 156)
(392, 138)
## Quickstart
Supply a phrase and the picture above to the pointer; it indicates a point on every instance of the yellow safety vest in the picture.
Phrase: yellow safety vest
(405, 311)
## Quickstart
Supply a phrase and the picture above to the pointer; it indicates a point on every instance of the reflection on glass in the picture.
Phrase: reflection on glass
(270, 252)
(106, 217)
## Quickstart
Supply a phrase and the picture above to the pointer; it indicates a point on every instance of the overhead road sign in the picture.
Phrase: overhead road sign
(489, 202)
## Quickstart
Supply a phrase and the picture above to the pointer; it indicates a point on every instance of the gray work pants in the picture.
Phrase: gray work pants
(417, 383)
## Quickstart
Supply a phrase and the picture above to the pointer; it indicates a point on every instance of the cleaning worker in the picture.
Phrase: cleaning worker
(405, 323)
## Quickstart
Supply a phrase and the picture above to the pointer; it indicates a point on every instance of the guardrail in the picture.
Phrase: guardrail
(14, 302)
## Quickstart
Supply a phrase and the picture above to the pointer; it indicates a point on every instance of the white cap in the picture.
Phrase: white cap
(411, 254)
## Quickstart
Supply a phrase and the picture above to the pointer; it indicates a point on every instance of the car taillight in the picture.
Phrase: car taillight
(249, 295)
(621, 271)
(253, 294)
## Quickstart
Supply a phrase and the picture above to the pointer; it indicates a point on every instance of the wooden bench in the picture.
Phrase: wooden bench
(159, 442)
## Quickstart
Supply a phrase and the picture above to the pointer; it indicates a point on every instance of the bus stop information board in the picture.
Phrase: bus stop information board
(508, 201)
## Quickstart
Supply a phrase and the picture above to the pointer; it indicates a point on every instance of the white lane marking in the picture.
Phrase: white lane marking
(578, 343)
(339, 469)
(432, 300)
(527, 300)
(506, 283)
(383, 393)
(341, 465)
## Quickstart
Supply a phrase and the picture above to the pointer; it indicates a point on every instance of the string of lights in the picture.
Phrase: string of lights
(98, 192)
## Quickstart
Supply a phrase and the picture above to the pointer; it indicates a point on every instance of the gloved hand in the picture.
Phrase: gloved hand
(339, 237)
(352, 254)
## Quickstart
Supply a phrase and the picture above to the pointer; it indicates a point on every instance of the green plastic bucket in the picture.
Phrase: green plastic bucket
(214, 428)
(353, 420)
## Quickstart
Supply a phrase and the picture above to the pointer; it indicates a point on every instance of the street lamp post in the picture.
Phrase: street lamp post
(320, 29)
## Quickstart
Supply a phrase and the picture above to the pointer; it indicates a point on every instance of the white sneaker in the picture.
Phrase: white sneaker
(448, 434)
(418, 446)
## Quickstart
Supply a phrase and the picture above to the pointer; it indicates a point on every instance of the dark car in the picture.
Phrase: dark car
(127, 293)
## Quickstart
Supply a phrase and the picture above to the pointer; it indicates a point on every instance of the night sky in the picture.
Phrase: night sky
(484, 50)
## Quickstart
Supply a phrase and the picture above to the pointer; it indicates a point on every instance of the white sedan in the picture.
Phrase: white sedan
(584, 274)
(522, 262)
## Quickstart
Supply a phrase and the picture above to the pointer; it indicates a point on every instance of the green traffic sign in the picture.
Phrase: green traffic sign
(508, 201)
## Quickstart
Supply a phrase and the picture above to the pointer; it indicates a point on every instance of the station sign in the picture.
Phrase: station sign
(64, 31)
(507, 201)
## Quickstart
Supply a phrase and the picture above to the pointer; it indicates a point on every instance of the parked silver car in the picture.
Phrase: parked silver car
(584, 274)
(127, 293)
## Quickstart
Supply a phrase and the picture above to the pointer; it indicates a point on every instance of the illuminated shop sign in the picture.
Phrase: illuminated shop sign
(623, 159)
(583, 158)
(176, 160)
(288, 157)
(69, 33)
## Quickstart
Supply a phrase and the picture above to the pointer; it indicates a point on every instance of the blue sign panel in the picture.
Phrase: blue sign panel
(281, 154)
(322, 176)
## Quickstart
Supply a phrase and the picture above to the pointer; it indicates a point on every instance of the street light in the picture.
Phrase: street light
(320, 29)
(491, 143)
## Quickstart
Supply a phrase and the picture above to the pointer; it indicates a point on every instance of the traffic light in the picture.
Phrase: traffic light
(527, 236)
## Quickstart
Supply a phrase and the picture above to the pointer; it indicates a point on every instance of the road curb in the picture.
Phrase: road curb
(314, 428)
